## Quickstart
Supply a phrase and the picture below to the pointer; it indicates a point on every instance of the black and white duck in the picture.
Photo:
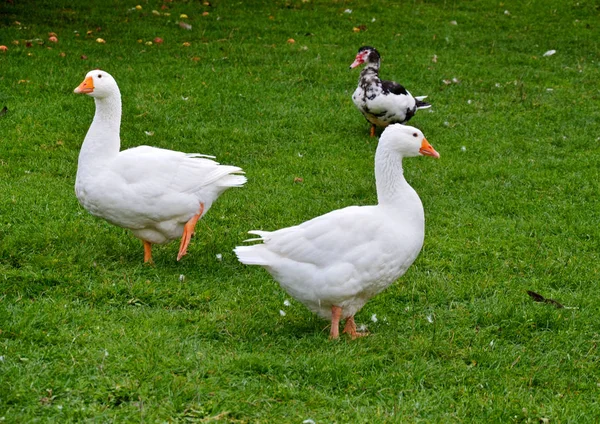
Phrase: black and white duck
(382, 102)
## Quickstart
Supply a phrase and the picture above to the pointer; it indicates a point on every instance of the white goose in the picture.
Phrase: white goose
(158, 194)
(335, 263)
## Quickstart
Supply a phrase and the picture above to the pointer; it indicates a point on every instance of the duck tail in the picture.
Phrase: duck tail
(421, 104)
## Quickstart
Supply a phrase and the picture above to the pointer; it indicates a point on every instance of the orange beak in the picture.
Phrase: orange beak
(428, 150)
(86, 87)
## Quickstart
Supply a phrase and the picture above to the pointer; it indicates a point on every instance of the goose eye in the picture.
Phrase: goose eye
(99, 75)
(415, 135)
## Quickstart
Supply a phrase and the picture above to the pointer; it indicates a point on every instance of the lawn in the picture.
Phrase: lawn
(90, 333)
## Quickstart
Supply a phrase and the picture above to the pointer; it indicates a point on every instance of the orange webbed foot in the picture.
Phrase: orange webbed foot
(350, 329)
(188, 231)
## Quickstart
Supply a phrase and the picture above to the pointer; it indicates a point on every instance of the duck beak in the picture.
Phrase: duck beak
(86, 87)
(428, 150)
(358, 60)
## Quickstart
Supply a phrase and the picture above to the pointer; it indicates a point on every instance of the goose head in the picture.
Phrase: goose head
(97, 84)
(408, 141)
(366, 54)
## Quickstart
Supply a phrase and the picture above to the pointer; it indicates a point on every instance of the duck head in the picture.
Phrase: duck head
(366, 54)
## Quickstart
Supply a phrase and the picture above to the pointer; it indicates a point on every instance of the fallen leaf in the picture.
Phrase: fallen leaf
(185, 25)
(84, 57)
(359, 28)
(453, 23)
(62, 54)
(3, 48)
(291, 40)
(156, 12)
(90, 32)
(53, 39)
(148, 43)
(186, 44)
(434, 58)
(549, 53)
(4, 111)
(16, 42)
(149, 133)
(183, 16)
(205, 13)
(539, 298)
(100, 40)
(158, 40)
(195, 59)
(298, 180)
(138, 7)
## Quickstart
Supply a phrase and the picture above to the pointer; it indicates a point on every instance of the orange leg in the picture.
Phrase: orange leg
(147, 252)
(188, 231)
(372, 130)
(350, 328)
(336, 314)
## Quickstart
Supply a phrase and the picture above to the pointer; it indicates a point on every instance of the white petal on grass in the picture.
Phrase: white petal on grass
(492, 343)
(282, 312)
(373, 20)
(2, 358)
(286, 302)
(469, 101)
(219, 257)
(181, 278)
(549, 89)
(374, 317)
(184, 98)
(362, 328)
(453, 23)
(149, 133)
(549, 53)
(506, 12)
(463, 149)
(309, 421)
(348, 11)
(429, 319)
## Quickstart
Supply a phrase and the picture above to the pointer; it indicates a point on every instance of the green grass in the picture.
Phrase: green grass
(88, 333)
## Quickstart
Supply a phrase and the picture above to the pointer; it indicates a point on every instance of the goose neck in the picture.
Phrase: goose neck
(392, 187)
